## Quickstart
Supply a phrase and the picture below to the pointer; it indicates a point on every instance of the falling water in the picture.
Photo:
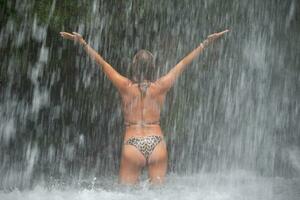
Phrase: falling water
(231, 121)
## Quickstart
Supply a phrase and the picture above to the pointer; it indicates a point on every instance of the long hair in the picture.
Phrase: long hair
(143, 69)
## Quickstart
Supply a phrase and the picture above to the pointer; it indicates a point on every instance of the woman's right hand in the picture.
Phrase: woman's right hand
(76, 37)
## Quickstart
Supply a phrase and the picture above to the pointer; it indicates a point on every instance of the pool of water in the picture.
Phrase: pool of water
(232, 186)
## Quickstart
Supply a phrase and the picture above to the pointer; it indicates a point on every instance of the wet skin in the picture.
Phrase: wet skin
(142, 110)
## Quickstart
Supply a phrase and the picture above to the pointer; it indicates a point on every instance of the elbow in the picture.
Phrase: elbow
(183, 63)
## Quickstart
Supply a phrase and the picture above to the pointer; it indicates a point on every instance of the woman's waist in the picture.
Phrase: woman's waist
(142, 132)
(141, 123)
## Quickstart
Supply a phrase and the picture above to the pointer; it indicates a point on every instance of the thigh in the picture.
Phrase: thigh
(132, 161)
(157, 163)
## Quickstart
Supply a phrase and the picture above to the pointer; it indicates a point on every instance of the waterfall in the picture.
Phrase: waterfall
(235, 109)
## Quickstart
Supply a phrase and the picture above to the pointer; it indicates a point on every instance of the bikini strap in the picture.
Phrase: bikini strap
(138, 123)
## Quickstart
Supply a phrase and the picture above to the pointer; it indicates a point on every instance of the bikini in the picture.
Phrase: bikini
(146, 144)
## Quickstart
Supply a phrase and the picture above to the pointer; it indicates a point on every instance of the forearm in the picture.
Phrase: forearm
(181, 66)
(94, 55)
(118, 80)
(168, 80)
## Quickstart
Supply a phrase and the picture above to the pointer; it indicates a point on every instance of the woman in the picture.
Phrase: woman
(142, 99)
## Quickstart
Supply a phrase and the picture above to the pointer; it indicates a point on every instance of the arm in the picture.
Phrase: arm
(119, 81)
(167, 81)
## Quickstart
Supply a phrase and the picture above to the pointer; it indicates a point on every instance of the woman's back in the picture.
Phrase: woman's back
(142, 110)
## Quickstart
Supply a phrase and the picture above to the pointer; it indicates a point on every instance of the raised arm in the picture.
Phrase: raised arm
(119, 81)
(167, 81)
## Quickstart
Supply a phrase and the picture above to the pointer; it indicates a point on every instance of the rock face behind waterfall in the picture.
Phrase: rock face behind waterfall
(236, 108)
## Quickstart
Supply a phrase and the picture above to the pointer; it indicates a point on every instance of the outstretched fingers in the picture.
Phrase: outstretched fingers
(222, 33)
(77, 34)
(66, 35)
(72, 36)
(215, 36)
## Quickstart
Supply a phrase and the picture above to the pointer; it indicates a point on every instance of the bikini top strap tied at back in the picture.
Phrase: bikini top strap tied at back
(141, 123)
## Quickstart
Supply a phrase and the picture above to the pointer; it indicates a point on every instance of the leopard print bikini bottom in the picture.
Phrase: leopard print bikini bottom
(145, 145)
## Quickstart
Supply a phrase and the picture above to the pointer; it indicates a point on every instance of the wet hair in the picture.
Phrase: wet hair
(143, 69)
(143, 66)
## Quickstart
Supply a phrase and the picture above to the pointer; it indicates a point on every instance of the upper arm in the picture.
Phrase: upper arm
(167, 81)
(119, 81)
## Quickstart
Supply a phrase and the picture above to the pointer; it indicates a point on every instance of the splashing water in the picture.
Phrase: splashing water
(240, 185)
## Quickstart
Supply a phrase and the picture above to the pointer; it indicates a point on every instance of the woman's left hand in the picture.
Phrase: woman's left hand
(211, 38)
(76, 37)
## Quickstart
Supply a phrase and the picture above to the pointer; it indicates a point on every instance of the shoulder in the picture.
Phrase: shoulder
(156, 89)
(128, 88)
